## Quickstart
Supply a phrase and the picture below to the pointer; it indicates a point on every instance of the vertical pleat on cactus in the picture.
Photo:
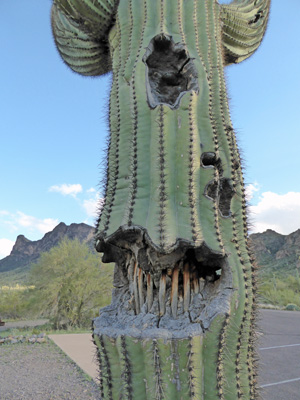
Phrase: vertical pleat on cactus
(182, 320)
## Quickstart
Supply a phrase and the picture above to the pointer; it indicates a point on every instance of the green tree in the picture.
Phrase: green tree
(11, 304)
(70, 284)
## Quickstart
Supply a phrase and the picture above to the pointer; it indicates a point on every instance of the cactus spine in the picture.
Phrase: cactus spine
(181, 323)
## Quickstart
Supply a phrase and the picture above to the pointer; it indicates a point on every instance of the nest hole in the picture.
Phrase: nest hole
(170, 71)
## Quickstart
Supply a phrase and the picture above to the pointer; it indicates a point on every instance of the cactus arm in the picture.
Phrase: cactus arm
(83, 46)
(244, 25)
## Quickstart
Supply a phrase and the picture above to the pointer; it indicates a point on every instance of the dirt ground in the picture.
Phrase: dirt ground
(42, 372)
(22, 324)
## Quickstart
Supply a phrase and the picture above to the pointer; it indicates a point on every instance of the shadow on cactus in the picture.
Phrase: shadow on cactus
(181, 322)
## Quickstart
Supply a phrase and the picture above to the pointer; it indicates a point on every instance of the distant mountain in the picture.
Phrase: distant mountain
(276, 253)
(25, 252)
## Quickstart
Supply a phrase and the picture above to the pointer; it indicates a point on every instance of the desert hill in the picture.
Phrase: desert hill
(275, 253)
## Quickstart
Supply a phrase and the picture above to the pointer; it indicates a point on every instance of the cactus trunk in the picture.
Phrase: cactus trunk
(181, 322)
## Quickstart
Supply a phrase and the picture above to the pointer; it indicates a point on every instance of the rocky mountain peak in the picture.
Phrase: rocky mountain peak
(25, 251)
(23, 246)
(276, 253)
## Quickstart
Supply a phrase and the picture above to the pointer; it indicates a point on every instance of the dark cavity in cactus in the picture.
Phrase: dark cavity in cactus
(170, 72)
(181, 322)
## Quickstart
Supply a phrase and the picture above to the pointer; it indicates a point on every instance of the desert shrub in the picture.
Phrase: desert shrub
(292, 307)
(70, 285)
(14, 301)
(280, 291)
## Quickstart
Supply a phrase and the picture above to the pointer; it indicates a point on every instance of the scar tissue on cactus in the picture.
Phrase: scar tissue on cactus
(181, 322)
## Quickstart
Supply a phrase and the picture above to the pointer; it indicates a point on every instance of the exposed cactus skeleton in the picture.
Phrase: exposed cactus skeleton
(181, 323)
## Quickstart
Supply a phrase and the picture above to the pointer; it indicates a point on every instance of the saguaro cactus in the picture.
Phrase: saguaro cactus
(181, 323)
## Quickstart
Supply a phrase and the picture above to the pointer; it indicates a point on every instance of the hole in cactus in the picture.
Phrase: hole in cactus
(170, 72)
(211, 190)
(225, 195)
(210, 160)
(256, 18)
(230, 58)
(208, 268)
(222, 192)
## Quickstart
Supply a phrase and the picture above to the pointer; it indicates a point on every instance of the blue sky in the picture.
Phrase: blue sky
(54, 127)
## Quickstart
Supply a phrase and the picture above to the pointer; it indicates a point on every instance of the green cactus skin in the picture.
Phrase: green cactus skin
(182, 321)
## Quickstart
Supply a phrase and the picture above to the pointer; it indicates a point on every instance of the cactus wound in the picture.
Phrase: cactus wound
(170, 72)
(221, 191)
(180, 290)
(210, 160)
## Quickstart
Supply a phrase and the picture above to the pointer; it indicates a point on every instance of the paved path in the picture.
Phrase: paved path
(80, 348)
(279, 349)
(23, 324)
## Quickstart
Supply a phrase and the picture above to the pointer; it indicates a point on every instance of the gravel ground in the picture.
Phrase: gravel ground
(42, 372)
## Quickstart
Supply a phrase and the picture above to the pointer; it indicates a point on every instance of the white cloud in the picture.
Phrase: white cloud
(20, 223)
(67, 189)
(42, 225)
(278, 212)
(91, 190)
(4, 212)
(92, 206)
(6, 246)
(250, 190)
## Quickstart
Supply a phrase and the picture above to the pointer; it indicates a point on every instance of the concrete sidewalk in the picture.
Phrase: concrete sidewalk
(80, 348)
(23, 324)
